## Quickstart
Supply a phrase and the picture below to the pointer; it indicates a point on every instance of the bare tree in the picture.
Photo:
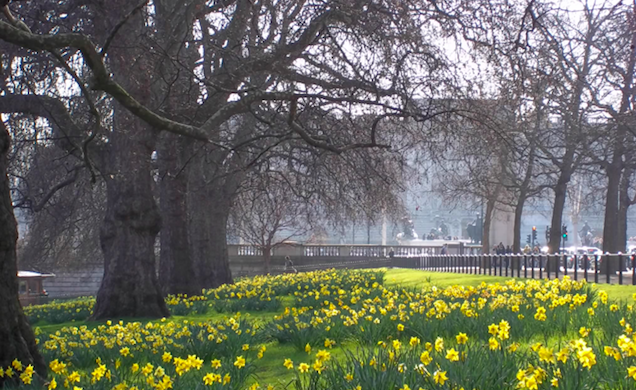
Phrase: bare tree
(278, 61)
(267, 214)
(616, 43)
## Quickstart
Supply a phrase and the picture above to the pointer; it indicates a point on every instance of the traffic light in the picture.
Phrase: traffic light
(564, 229)
(528, 239)
(534, 234)
(547, 233)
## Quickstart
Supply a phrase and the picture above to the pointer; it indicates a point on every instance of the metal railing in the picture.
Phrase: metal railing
(606, 268)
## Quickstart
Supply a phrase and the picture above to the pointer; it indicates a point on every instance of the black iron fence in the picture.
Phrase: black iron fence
(606, 268)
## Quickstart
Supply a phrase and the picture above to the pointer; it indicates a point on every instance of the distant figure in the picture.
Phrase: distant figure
(391, 253)
(508, 249)
(527, 250)
(289, 266)
(444, 250)
(586, 234)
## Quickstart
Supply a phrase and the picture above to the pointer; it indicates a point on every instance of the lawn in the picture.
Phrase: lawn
(419, 279)
(360, 329)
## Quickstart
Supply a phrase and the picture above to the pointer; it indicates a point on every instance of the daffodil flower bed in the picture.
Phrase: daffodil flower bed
(352, 332)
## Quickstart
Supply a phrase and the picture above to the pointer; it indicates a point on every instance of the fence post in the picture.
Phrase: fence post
(548, 265)
(525, 266)
(576, 267)
(620, 268)
(500, 261)
(532, 264)
(596, 269)
(608, 268)
(540, 266)
(507, 262)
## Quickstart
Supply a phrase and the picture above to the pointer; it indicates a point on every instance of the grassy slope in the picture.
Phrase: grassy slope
(415, 278)
(270, 369)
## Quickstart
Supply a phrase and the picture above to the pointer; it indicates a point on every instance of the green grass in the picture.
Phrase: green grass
(270, 369)
(419, 279)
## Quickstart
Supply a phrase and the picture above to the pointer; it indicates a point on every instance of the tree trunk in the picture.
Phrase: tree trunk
(210, 253)
(516, 245)
(624, 202)
(130, 287)
(485, 239)
(17, 340)
(560, 191)
(267, 259)
(176, 268)
(209, 208)
(610, 225)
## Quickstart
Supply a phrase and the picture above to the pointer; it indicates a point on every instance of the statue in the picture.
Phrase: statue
(408, 232)
(475, 230)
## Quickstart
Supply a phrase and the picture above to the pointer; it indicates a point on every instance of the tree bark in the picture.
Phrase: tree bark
(610, 225)
(624, 204)
(209, 202)
(485, 240)
(17, 340)
(176, 268)
(130, 287)
(560, 191)
(516, 245)
(267, 259)
(178, 93)
(210, 252)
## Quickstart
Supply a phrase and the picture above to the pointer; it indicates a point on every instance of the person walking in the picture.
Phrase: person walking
(289, 266)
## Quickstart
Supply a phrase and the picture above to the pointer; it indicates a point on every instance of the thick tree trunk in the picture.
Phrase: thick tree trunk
(130, 287)
(215, 268)
(209, 238)
(610, 225)
(17, 340)
(209, 208)
(176, 268)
